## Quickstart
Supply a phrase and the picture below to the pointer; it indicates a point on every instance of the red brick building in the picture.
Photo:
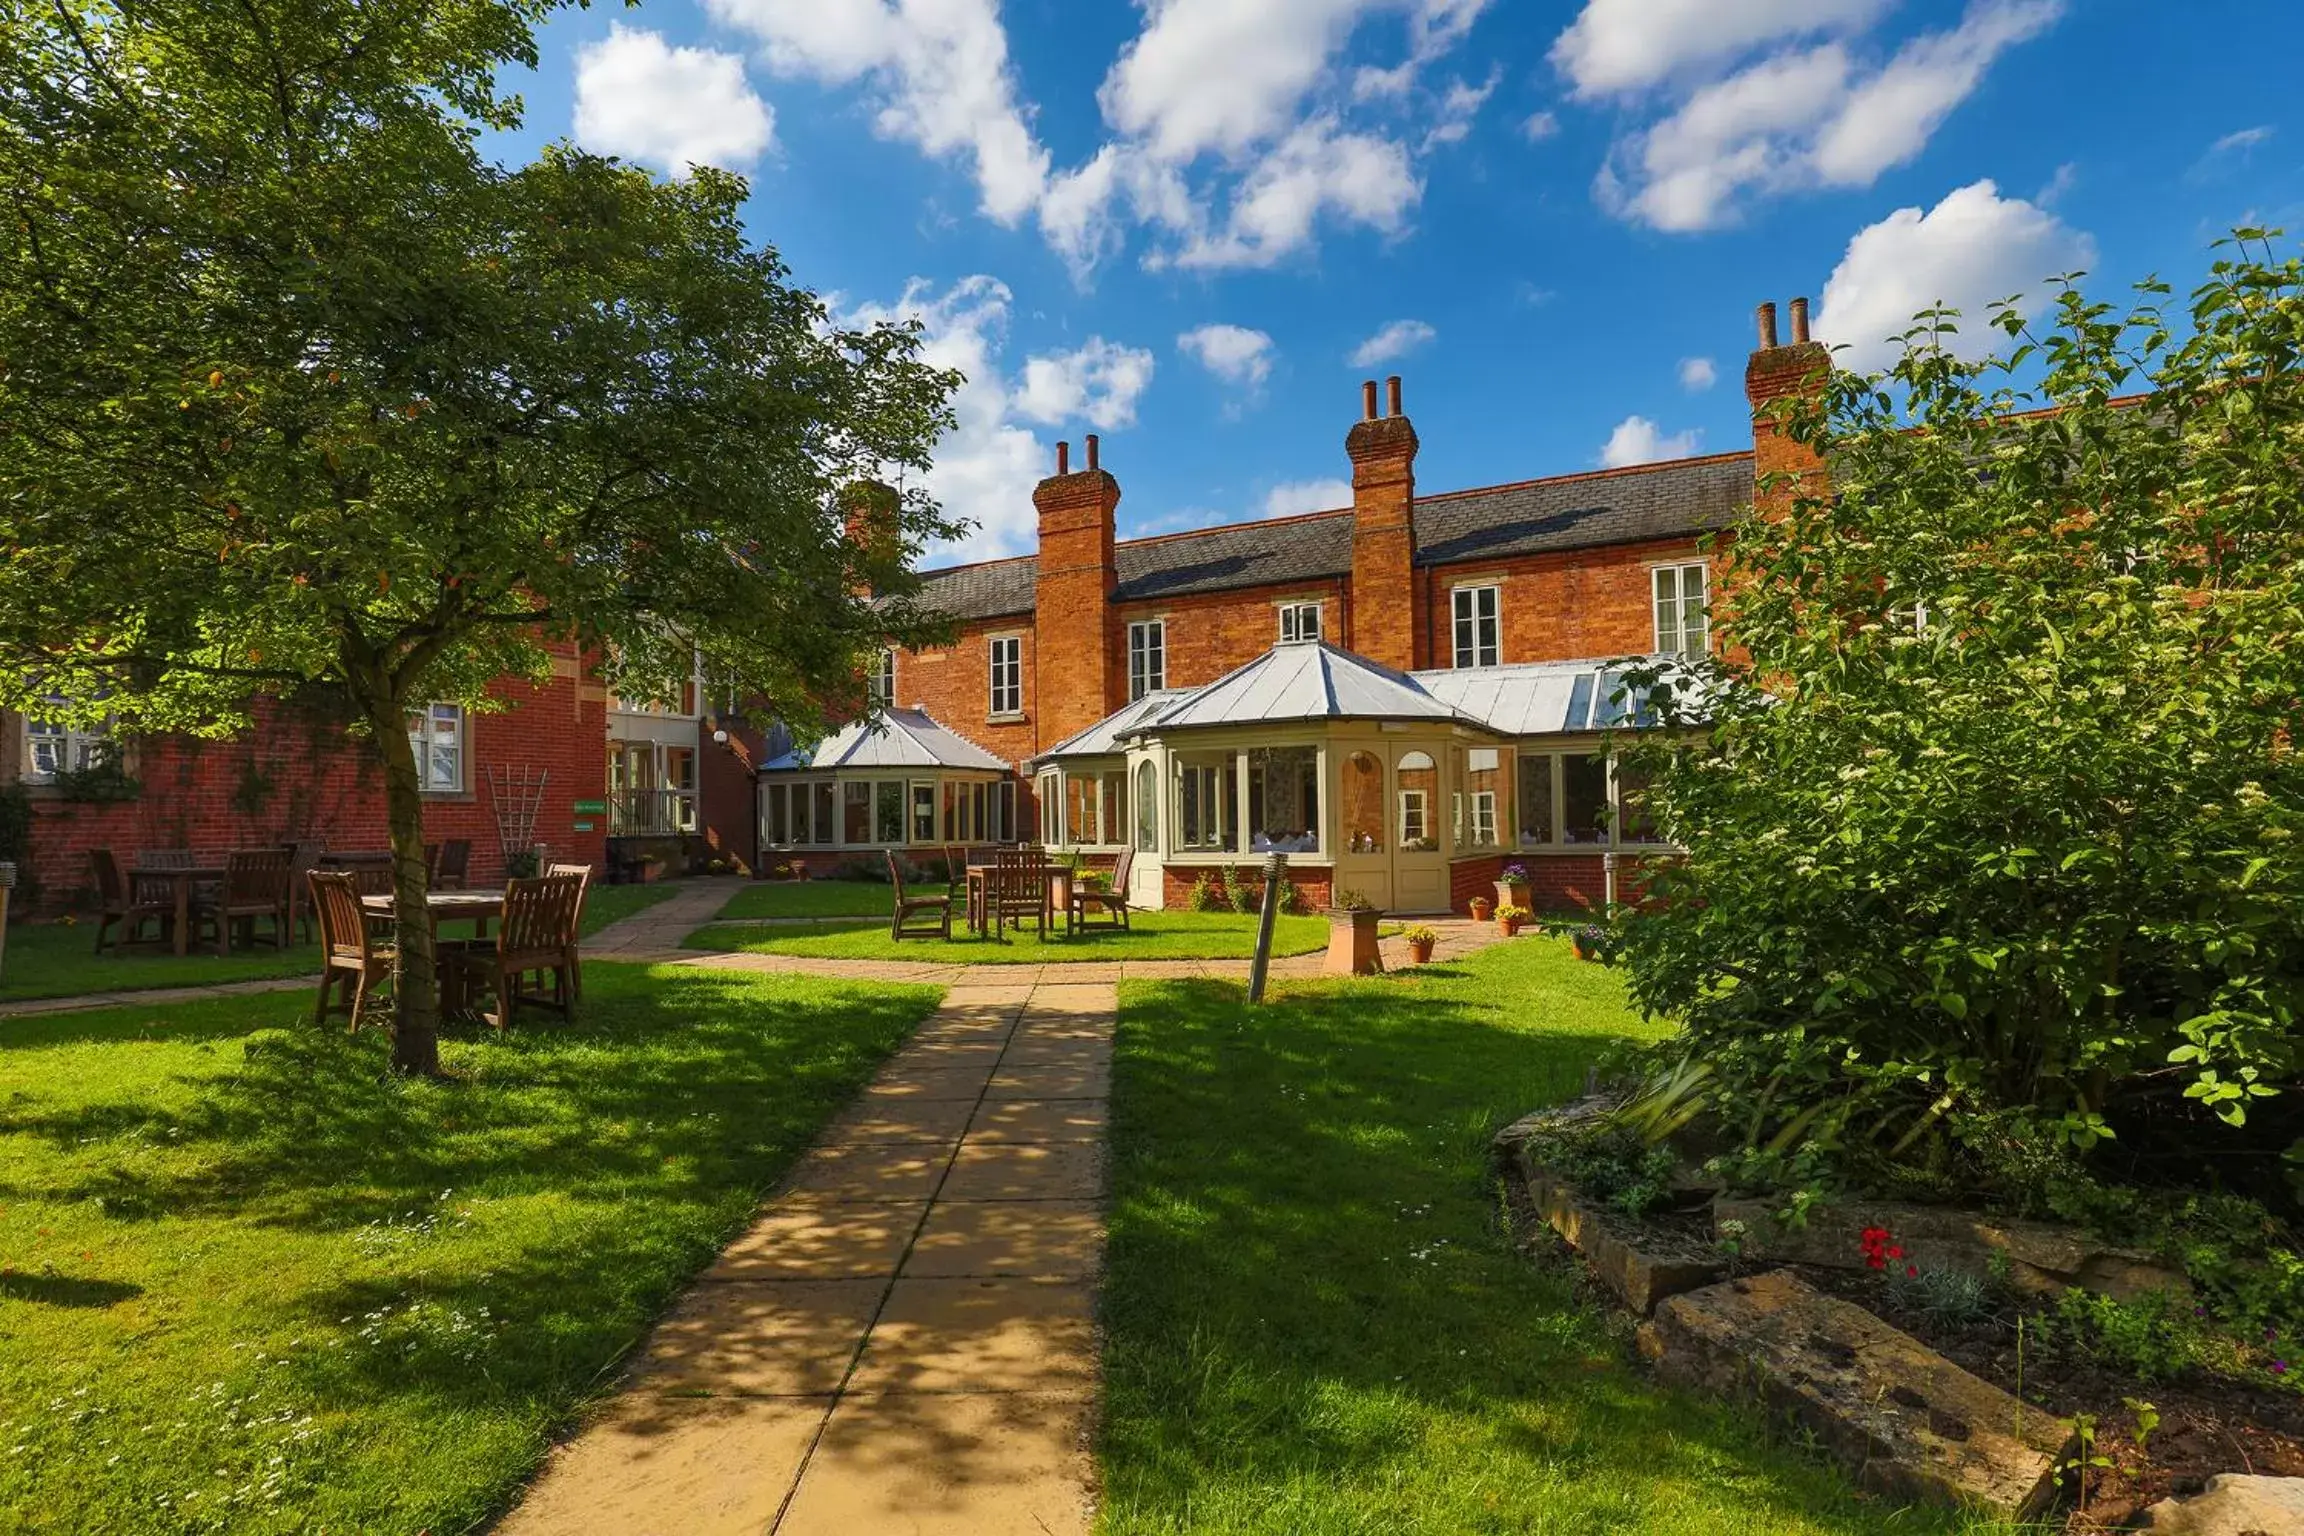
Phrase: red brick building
(1091, 666)
(301, 776)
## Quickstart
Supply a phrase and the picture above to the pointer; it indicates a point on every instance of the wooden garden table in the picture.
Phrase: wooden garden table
(479, 908)
(183, 878)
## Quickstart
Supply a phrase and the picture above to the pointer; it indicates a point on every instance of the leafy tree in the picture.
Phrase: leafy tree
(302, 394)
(1994, 843)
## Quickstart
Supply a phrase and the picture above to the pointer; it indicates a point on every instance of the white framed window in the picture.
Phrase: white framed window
(1147, 656)
(50, 748)
(1204, 809)
(1477, 642)
(884, 680)
(1003, 808)
(1299, 622)
(1681, 625)
(1049, 790)
(1007, 672)
(436, 736)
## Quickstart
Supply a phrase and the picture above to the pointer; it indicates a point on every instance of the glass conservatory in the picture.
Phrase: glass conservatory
(900, 781)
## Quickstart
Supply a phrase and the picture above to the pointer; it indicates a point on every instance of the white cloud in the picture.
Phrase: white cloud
(1799, 117)
(1617, 46)
(1637, 440)
(940, 69)
(642, 99)
(1320, 168)
(988, 463)
(1539, 127)
(1397, 339)
(1239, 356)
(1100, 383)
(1969, 251)
(2245, 138)
(1217, 75)
(1459, 105)
(1698, 374)
(1295, 496)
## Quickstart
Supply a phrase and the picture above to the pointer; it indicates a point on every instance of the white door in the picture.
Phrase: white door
(1145, 880)
(1419, 859)
(1363, 830)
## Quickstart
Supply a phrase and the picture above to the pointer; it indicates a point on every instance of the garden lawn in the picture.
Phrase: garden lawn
(1152, 936)
(605, 904)
(814, 898)
(253, 1285)
(59, 960)
(1315, 1322)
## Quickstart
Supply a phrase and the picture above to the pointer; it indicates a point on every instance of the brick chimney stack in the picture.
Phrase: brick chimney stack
(1077, 660)
(870, 507)
(1777, 375)
(1383, 452)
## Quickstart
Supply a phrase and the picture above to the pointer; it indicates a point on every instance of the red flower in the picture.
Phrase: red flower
(1896, 1252)
(1912, 1271)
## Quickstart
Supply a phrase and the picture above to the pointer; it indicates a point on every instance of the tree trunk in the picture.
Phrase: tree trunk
(416, 983)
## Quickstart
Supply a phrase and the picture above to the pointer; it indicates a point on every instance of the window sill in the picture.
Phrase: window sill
(447, 796)
(1012, 717)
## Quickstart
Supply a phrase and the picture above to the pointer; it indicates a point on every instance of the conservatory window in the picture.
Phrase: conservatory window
(1204, 804)
(1584, 799)
(1419, 790)
(1147, 808)
(923, 813)
(1536, 799)
(1284, 800)
(1480, 804)
(1363, 803)
(856, 814)
(888, 811)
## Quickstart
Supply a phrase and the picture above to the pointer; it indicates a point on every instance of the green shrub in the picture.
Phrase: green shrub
(1205, 896)
(1612, 1166)
(1244, 892)
(1996, 830)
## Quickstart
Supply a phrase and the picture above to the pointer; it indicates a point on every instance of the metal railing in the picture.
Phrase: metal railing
(651, 812)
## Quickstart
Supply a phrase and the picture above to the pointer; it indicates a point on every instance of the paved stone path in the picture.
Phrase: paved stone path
(905, 1340)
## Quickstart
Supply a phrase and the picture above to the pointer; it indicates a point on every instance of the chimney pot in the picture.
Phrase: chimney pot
(1063, 458)
(1767, 326)
(1392, 395)
(1368, 400)
(1091, 450)
(1799, 322)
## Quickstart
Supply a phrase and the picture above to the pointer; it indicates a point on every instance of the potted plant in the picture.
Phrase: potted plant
(1352, 936)
(1512, 887)
(1420, 939)
(1481, 907)
(1591, 941)
(1509, 919)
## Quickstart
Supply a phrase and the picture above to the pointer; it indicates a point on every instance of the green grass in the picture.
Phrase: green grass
(59, 960)
(252, 1285)
(1153, 936)
(605, 904)
(812, 898)
(1315, 1323)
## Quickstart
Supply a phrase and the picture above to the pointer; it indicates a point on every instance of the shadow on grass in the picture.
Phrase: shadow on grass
(1315, 1322)
(67, 1290)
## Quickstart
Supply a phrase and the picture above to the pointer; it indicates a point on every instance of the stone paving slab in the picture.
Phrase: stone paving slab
(1038, 1120)
(981, 1334)
(1013, 1170)
(1042, 1240)
(786, 1338)
(856, 1240)
(976, 1465)
(674, 1466)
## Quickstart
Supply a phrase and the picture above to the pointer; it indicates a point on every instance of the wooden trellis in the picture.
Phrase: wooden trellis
(518, 794)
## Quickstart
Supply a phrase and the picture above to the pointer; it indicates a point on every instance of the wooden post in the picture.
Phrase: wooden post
(1275, 880)
(7, 887)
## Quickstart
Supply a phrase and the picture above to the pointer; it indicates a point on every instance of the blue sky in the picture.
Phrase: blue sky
(1195, 225)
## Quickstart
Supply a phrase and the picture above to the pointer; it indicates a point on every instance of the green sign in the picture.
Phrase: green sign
(583, 826)
(591, 807)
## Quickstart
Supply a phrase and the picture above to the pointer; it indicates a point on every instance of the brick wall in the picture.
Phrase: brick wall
(1210, 634)
(1176, 882)
(954, 684)
(1557, 607)
(727, 809)
(298, 775)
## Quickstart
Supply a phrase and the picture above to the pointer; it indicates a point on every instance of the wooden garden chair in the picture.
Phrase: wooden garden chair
(1113, 904)
(303, 858)
(536, 937)
(353, 958)
(1018, 890)
(453, 870)
(127, 902)
(582, 874)
(900, 926)
(255, 885)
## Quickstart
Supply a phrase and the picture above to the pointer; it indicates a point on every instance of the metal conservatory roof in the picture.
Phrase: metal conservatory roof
(899, 738)
(1304, 681)
(1103, 739)
(1542, 698)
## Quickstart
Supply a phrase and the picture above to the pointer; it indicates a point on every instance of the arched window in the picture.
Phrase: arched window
(1362, 804)
(1147, 807)
(1419, 794)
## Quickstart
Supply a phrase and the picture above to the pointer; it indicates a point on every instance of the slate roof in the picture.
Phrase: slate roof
(1652, 501)
(902, 738)
(1579, 511)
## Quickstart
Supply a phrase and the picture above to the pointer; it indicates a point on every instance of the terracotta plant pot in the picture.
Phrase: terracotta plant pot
(1513, 893)
(1420, 951)
(1060, 890)
(1352, 947)
(1508, 926)
(1481, 907)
